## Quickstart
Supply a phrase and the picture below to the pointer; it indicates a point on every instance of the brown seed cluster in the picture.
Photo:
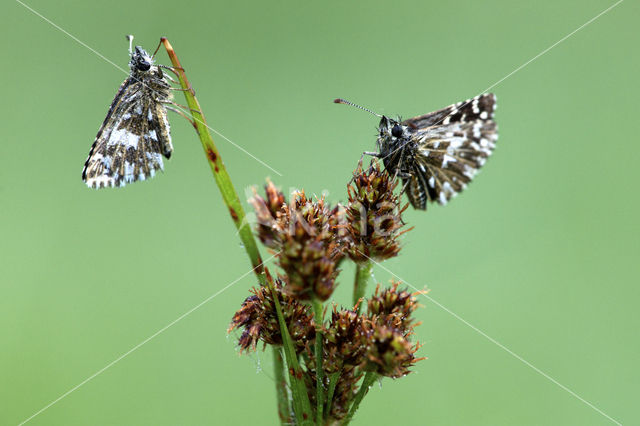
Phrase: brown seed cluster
(305, 234)
(374, 215)
(342, 341)
(310, 239)
(389, 352)
(378, 341)
(388, 330)
(393, 307)
(257, 316)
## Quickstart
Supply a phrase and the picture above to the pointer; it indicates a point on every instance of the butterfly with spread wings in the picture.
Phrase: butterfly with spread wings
(437, 154)
(135, 135)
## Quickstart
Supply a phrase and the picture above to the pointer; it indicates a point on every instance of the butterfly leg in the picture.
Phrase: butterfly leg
(373, 154)
(399, 173)
(173, 80)
(405, 184)
(179, 105)
(180, 89)
(193, 123)
(172, 69)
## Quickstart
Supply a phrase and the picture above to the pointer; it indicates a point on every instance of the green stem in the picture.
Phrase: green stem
(284, 412)
(232, 201)
(363, 273)
(317, 310)
(223, 180)
(301, 403)
(369, 378)
(333, 381)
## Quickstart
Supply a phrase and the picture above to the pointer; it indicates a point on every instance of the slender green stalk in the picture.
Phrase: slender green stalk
(317, 310)
(301, 403)
(284, 411)
(333, 381)
(368, 380)
(363, 273)
(223, 180)
(232, 201)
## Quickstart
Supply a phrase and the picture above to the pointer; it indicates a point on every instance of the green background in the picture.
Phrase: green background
(540, 253)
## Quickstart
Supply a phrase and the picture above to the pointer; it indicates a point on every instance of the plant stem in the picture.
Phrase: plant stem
(363, 273)
(223, 180)
(333, 381)
(284, 411)
(368, 380)
(317, 310)
(232, 201)
(301, 403)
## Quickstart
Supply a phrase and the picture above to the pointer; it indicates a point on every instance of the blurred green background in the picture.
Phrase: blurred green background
(541, 252)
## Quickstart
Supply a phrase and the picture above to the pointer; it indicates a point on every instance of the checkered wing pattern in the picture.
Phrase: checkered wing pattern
(450, 147)
(135, 134)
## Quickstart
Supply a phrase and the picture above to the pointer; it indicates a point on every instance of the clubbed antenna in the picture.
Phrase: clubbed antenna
(130, 38)
(342, 101)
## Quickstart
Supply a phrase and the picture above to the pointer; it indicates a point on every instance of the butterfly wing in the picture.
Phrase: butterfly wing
(447, 159)
(481, 107)
(130, 144)
(451, 146)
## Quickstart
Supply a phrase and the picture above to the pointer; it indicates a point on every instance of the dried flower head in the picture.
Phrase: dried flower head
(342, 340)
(268, 212)
(389, 352)
(393, 307)
(374, 215)
(258, 318)
(305, 234)
(310, 239)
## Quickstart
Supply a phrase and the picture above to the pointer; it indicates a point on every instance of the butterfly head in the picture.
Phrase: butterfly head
(391, 129)
(140, 60)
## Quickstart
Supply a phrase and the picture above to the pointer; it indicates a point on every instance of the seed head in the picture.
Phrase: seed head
(374, 215)
(393, 307)
(342, 340)
(389, 352)
(268, 212)
(257, 316)
(305, 234)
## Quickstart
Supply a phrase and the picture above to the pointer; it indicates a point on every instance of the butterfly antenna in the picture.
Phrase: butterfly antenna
(130, 38)
(342, 101)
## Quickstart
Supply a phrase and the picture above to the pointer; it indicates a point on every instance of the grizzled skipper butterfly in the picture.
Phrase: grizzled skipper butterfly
(437, 154)
(135, 134)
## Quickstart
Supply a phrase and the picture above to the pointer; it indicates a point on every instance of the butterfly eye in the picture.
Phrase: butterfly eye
(396, 131)
(143, 65)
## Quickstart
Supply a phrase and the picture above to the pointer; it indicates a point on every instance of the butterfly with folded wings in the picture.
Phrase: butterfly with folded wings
(135, 135)
(437, 154)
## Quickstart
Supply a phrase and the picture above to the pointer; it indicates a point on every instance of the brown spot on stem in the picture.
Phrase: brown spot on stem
(234, 214)
(211, 155)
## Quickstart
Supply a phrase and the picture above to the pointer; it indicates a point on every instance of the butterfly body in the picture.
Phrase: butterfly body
(135, 134)
(437, 154)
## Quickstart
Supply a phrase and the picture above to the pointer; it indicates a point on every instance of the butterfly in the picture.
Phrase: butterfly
(437, 154)
(135, 135)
